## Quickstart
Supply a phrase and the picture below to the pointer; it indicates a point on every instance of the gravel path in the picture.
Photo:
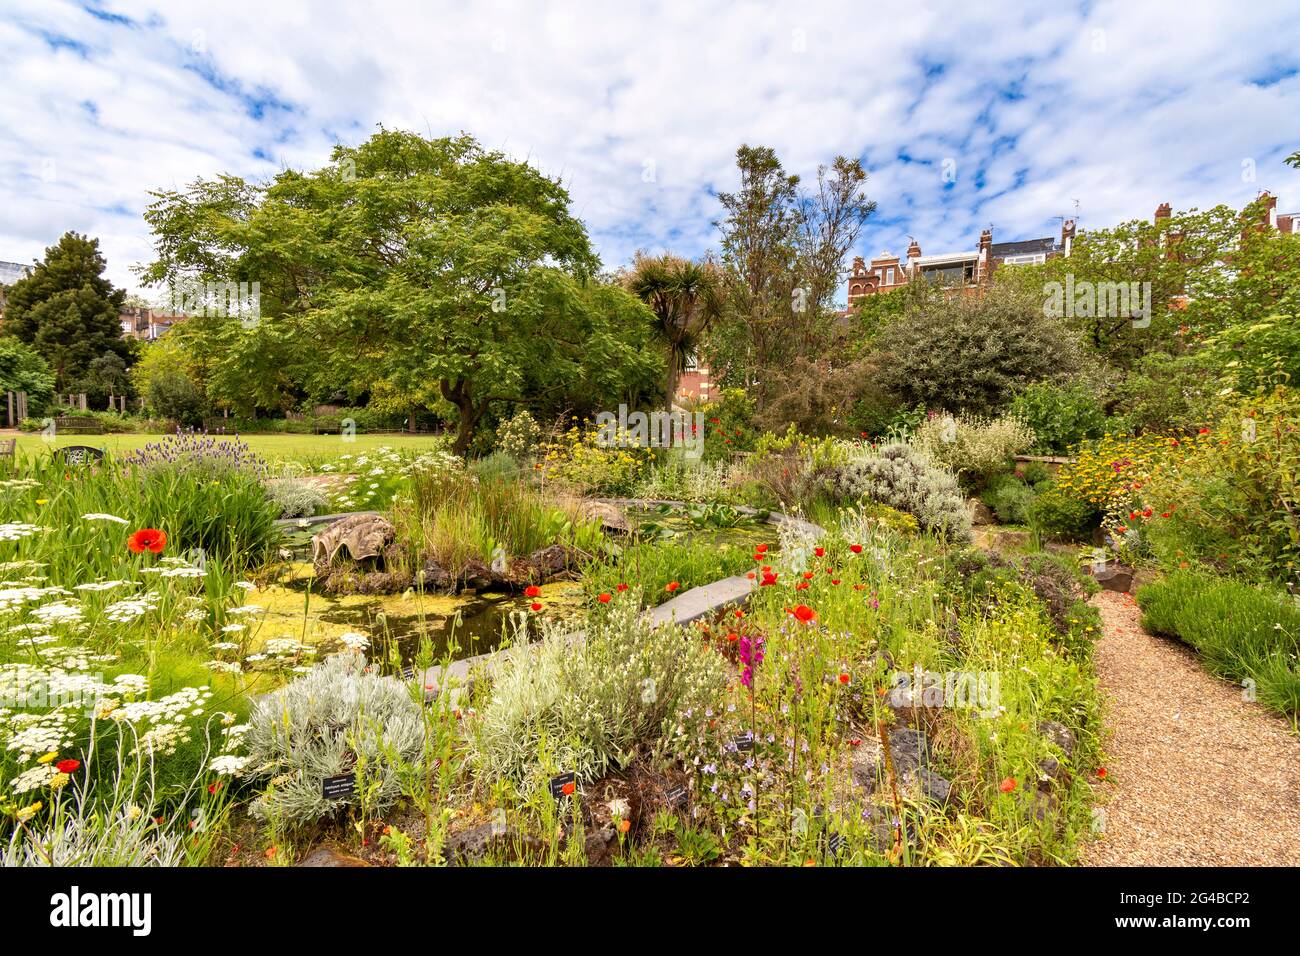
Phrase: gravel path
(1196, 775)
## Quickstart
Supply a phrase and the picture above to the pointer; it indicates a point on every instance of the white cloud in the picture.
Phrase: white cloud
(1120, 106)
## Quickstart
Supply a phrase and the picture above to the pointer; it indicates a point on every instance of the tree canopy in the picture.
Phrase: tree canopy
(430, 272)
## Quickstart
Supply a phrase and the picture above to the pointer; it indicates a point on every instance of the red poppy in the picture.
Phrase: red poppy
(214, 787)
(621, 588)
(67, 766)
(808, 575)
(1146, 513)
(801, 586)
(855, 548)
(1008, 785)
(1165, 514)
(147, 539)
(751, 575)
(844, 678)
(1203, 431)
(568, 788)
(804, 613)
(532, 591)
(733, 636)
(738, 613)
(1101, 773)
(535, 606)
(855, 741)
(835, 580)
(671, 586)
(761, 548)
(768, 578)
(859, 587)
(604, 598)
(820, 552)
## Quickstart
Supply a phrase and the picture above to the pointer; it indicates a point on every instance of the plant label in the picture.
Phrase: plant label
(340, 787)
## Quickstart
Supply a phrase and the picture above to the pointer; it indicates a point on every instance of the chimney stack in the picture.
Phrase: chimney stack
(1067, 236)
(1163, 211)
(913, 251)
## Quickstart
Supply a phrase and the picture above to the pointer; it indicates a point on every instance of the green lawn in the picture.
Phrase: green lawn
(307, 449)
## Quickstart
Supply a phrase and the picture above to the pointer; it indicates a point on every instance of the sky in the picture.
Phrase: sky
(966, 115)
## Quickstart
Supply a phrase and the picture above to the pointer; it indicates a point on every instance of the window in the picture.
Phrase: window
(889, 276)
(1030, 259)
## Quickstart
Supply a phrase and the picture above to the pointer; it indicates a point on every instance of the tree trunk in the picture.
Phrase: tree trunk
(670, 384)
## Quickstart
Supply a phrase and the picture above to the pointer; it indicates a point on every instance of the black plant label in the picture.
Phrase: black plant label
(563, 780)
(337, 788)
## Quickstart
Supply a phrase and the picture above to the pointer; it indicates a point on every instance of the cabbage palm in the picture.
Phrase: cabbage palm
(684, 297)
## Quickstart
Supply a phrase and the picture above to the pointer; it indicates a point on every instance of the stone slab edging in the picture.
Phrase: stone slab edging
(686, 607)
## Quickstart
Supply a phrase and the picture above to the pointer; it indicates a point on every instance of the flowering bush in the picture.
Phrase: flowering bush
(577, 460)
(905, 479)
(519, 437)
(975, 449)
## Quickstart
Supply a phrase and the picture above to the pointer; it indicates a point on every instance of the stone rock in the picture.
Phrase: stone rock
(910, 754)
(1113, 577)
(1013, 539)
(611, 518)
(475, 574)
(1058, 734)
(601, 846)
(433, 576)
(362, 536)
(328, 856)
(553, 560)
(980, 513)
(474, 844)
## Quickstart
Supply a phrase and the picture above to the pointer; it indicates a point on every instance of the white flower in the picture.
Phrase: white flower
(232, 628)
(354, 641)
(95, 516)
(227, 764)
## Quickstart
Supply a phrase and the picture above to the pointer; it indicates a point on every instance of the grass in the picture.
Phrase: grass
(1243, 633)
(306, 449)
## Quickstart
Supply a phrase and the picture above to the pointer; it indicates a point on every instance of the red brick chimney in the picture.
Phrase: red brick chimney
(984, 264)
(1067, 236)
(913, 251)
(1162, 212)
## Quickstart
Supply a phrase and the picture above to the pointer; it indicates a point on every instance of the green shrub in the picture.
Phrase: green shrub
(1060, 415)
(1010, 498)
(1056, 514)
(334, 720)
(591, 707)
(906, 480)
(972, 355)
(1243, 633)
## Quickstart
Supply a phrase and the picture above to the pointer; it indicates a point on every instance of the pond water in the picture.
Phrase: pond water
(456, 625)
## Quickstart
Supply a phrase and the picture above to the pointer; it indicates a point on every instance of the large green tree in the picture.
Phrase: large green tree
(67, 310)
(434, 273)
(783, 261)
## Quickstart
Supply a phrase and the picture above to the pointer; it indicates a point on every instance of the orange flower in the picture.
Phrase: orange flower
(604, 598)
(568, 788)
(1008, 785)
(624, 826)
(1101, 773)
(671, 586)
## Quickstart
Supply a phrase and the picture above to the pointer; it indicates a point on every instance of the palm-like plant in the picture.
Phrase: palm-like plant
(684, 297)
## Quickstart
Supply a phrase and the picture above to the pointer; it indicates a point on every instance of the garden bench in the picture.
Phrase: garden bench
(78, 425)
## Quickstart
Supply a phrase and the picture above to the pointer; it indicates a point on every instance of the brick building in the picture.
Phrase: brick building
(146, 324)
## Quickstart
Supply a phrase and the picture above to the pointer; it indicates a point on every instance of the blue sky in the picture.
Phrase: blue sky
(965, 117)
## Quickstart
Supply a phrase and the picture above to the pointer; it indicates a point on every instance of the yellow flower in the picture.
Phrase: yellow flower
(42, 501)
(26, 813)
(133, 812)
(59, 781)
(49, 757)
